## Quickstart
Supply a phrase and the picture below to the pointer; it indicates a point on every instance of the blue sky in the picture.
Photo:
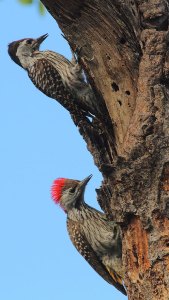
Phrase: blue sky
(38, 144)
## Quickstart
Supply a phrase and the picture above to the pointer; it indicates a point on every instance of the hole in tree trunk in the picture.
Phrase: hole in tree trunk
(127, 93)
(122, 40)
(115, 87)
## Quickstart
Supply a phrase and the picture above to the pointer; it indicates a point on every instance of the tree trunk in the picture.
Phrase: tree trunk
(124, 54)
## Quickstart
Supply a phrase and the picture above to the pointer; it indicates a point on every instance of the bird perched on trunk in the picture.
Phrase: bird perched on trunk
(54, 75)
(95, 237)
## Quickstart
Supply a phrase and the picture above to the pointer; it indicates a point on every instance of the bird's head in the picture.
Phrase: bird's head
(69, 193)
(20, 50)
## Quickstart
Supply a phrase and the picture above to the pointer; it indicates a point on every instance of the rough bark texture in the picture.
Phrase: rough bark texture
(124, 54)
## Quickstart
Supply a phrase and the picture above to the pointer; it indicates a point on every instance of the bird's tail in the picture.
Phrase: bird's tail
(117, 281)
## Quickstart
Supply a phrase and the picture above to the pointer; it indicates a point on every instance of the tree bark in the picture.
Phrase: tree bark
(125, 57)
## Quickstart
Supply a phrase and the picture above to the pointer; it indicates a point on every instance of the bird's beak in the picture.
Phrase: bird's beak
(84, 182)
(40, 39)
(79, 194)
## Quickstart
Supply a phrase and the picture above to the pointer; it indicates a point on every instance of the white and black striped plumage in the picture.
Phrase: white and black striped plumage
(53, 74)
(96, 238)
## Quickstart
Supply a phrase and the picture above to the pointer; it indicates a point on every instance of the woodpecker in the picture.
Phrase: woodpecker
(53, 74)
(95, 237)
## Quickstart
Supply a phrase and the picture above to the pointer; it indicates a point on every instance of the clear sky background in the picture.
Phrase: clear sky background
(38, 144)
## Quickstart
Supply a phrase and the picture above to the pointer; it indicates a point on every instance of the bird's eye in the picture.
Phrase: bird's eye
(72, 190)
(29, 41)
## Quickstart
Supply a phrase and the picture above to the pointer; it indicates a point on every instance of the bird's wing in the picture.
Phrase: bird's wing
(49, 81)
(80, 242)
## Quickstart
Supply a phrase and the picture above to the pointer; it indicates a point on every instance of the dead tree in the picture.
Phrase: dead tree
(124, 53)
